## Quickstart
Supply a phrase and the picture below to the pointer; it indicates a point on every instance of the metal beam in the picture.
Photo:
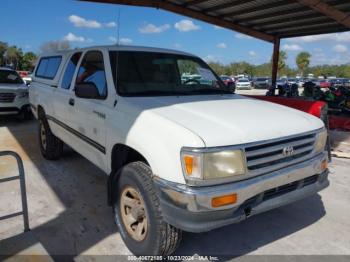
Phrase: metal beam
(328, 10)
(328, 30)
(191, 13)
(311, 27)
(275, 58)
(194, 2)
(254, 9)
(227, 5)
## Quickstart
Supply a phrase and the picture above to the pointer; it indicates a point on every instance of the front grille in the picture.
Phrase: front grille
(269, 156)
(7, 97)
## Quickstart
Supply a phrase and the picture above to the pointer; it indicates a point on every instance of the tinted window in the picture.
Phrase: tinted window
(70, 69)
(92, 70)
(10, 77)
(163, 74)
(48, 67)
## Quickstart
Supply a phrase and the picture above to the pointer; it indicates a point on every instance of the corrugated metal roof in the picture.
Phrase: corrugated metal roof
(264, 19)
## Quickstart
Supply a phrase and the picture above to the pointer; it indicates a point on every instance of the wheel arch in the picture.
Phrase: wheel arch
(121, 155)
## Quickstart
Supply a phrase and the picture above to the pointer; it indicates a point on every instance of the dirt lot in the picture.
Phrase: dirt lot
(69, 216)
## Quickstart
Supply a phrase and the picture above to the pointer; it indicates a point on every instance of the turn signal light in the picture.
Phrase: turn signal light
(188, 164)
(224, 200)
(324, 165)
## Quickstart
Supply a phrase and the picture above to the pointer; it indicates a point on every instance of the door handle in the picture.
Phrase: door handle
(71, 101)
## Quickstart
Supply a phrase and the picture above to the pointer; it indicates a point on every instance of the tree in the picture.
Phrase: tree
(3, 49)
(13, 56)
(28, 61)
(282, 60)
(303, 60)
(53, 46)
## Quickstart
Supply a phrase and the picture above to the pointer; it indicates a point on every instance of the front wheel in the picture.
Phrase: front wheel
(138, 213)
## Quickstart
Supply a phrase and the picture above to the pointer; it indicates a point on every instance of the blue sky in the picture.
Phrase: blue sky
(33, 22)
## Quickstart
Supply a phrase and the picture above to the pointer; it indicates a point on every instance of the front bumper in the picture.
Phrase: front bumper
(189, 208)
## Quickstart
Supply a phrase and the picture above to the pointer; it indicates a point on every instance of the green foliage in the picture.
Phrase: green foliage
(303, 60)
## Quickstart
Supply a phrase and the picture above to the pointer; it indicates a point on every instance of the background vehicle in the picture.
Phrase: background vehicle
(243, 83)
(13, 94)
(181, 154)
(261, 82)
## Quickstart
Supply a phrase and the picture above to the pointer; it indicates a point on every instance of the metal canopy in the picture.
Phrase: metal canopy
(264, 19)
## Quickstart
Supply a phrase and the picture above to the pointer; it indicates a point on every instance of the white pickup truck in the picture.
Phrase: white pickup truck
(180, 154)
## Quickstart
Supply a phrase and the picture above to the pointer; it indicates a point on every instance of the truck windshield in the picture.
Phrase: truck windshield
(10, 77)
(163, 74)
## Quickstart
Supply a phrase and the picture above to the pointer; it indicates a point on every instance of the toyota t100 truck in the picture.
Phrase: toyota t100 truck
(182, 154)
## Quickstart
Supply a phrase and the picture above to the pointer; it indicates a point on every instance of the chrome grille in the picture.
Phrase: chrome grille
(269, 156)
(7, 97)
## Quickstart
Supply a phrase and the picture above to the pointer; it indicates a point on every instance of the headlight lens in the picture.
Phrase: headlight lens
(23, 94)
(212, 165)
(321, 141)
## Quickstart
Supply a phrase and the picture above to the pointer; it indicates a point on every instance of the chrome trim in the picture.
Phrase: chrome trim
(198, 199)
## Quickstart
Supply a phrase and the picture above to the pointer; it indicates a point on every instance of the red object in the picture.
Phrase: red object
(311, 107)
(23, 73)
(325, 84)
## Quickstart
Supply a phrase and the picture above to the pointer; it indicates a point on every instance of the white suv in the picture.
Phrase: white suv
(181, 154)
(13, 94)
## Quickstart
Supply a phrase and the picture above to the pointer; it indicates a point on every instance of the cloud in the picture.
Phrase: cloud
(292, 47)
(110, 24)
(340, 48)
(70, 37)
(78, 21)
(242, 36)
(252, 53)
(125, 41)
(221, 45)
(186, 26)
(177, 45)
(153, 29)
(338, 37)
(113, 39)
(216, 27)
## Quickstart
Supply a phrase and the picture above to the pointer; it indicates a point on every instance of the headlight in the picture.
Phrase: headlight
(23, 94)
(201, 165)
(321, 140)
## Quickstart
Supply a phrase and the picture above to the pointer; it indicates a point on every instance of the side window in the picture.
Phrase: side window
(70, 69)
(92, 70)
(48, 67)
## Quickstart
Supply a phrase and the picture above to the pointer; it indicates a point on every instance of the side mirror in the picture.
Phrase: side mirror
(87, 90)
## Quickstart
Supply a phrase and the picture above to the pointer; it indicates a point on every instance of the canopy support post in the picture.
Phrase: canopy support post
(275, 58)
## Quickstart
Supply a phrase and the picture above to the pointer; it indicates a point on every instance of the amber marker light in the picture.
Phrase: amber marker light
(224, 200)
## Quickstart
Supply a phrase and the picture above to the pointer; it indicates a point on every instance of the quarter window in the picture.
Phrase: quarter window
(48, 67)
(92, 70)
(70, 69)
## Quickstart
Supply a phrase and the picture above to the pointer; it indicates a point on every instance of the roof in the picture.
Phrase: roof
(263, 19)
(6, 69)
(118, 48)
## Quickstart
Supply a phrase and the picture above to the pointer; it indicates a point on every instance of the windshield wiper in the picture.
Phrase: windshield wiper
(157, 93)
(211, 91)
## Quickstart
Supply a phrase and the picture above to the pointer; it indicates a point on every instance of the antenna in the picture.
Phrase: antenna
(118, 26)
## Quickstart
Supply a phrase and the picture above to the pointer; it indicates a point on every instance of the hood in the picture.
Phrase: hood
(13, 87)
(229, 119)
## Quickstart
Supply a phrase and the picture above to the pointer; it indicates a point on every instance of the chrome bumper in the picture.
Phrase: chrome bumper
(189, 208)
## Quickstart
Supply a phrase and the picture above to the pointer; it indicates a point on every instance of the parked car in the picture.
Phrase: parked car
(323, 83)
(243, 83)
(336, 81)
(292, 81)
(261, 82)
(13, 94)
(181, 156)
(227, 80)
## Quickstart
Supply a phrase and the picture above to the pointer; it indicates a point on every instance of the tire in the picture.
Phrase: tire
(51, 147)
(159, 238)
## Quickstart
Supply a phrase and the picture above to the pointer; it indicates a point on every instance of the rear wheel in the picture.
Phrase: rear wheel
(138, 213)
(51, 147)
